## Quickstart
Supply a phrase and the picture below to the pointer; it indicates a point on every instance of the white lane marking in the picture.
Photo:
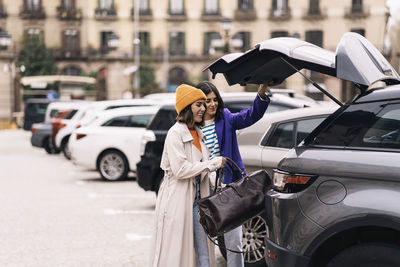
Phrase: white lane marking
(95, 195)
(115, 212)
(136, 237)
(80, 182)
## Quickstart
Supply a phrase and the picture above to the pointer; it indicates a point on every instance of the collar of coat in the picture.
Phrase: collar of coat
(186, 136)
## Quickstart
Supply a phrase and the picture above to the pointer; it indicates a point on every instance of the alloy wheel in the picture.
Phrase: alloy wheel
(254, 231)
(112, 166)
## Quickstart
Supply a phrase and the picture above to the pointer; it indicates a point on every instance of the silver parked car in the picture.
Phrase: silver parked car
(334, 200)
(265, 143)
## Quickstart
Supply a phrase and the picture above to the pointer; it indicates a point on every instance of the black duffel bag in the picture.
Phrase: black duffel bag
(234, 204)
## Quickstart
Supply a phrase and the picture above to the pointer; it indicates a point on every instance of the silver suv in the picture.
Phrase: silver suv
(335, 196)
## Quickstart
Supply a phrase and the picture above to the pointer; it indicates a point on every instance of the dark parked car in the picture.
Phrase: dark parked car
(35, 110)
(335, 196)
(149, 173)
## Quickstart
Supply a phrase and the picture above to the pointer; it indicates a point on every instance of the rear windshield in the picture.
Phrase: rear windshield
(368, 125)
(36, 108)
(163, 120)
(71, 114)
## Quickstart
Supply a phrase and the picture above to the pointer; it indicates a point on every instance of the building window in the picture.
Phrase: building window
(33, 33)
(359, 31)
(313, 8)
(143, 6)
(241, 41)
(176, 7)
(212, 41)
(32, 5)
(211, 7)
(68, 4)
(245, 5)
(71, 70)
(356, 6)
(176, 76)
(276, 34)
(106, 4)
(315, 37)
(145, 45)
(176, 43)
(70, 43)
(279, 7)
(105, 37)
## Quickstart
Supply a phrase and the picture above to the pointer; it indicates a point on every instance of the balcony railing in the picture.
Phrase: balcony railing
(280, 14)
(176, 16)
(245, 14)
(357, 12)
(66, 53)
(105, 13)
(314, 13)
(34, 12)
(3, 12)
(64, 13)
(144, 14)
(211, 16)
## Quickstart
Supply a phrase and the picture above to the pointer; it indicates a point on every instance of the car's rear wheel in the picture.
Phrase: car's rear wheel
(113, 166)
(49, 146)
(254, 231)
(65, 148)
(368, 255)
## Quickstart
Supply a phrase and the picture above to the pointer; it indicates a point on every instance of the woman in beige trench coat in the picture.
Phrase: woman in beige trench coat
(182, 162)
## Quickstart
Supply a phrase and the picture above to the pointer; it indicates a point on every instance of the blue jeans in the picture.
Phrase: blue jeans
(233, 240)
(200, 237)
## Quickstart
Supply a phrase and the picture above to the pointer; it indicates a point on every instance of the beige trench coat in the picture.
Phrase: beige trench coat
(173, 244)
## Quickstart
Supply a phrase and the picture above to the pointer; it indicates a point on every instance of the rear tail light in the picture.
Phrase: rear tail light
(79, 136)
(291, 183)
(148, 136)
(34, 130)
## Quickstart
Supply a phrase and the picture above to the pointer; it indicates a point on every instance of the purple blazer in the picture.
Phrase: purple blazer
(226, 128)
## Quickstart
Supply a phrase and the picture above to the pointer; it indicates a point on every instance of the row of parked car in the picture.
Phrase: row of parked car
(335, 168)
(121, 136)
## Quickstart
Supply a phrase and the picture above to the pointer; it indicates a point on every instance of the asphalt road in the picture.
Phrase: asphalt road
(53, 213)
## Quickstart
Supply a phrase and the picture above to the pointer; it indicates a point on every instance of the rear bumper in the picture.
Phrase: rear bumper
(37, 139)
(84, 155)
(284, 257)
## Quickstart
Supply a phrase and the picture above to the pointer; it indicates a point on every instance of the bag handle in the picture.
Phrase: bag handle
(231, 250)
(229, 160)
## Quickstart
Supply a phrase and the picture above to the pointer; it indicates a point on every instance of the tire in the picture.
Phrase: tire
(368, 255)
(113, 166)
(254, 231)
(49, 146)
(65, 148)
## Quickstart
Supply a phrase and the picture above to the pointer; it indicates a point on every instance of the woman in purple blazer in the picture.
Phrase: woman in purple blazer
(219, 128)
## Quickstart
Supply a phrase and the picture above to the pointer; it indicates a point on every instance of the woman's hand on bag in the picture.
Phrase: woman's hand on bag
(223, 162)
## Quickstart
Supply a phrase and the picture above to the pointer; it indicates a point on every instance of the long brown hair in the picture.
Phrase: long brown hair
(208, 87)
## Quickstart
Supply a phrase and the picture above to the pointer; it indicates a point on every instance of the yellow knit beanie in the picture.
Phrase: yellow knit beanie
(186, 95)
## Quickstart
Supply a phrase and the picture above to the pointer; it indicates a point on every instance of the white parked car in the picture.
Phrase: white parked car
(89, 113)
(111, 143)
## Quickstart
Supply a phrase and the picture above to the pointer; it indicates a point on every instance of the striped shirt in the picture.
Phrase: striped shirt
(211, 139)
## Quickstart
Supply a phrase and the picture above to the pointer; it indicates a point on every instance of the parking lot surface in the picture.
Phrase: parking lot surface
(56, 214)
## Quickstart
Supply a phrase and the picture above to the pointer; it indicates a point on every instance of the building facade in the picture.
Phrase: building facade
(178, 38)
